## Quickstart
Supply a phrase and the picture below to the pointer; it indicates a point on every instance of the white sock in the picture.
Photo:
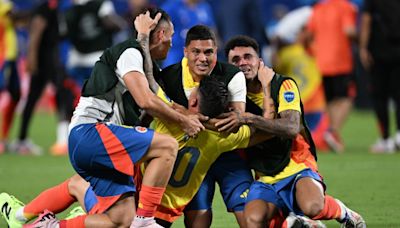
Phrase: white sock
(343, 212)
(62, 132)
(19, 215)
(143, 220)
(397, 137)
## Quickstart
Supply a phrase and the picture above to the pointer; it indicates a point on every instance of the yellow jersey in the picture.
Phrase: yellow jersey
(195, 157)
(10, 36)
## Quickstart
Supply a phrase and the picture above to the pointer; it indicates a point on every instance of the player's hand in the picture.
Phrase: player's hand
(180, 108)
(31, 64)
(265, 74)
(144, 23)
(229, 122)
(366, 58)
(191, 125)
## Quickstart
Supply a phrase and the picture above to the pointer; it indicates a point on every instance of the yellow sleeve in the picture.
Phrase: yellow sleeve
(289, 96)
(240, 139)
(161, 94)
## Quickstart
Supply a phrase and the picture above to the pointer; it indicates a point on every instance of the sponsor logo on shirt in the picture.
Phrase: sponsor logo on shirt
(141, 129)
(289, 96)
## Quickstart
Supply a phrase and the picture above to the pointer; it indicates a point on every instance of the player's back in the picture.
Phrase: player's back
(195, 157)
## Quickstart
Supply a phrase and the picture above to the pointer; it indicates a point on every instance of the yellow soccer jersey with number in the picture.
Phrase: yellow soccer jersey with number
(194, 158)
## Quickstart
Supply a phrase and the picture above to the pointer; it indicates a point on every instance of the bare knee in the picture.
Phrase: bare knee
(76, 185)
(170, 150)
(255, 220)
(313, 208)
(122, 213)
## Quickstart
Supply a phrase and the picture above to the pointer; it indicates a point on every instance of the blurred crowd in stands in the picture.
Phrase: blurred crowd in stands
(334, 49)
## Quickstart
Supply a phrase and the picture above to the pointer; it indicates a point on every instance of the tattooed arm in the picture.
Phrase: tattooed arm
(288, 125)
(143, 39)
(144, 24)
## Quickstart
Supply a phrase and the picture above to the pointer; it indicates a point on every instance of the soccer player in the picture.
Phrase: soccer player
(380, 55)
(200, 61)
(90, 27)
(332, 26)
(288, 178)
(104, 152)
(122, 147)
(9, 78)
(43, 64)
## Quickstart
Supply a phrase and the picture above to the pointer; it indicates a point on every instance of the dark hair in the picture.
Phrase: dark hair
(200, 32)
(241, 41)
(213, 97)
(153, 12)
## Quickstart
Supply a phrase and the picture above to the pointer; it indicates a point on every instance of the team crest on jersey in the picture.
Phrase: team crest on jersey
(141, 129)
(289, 96)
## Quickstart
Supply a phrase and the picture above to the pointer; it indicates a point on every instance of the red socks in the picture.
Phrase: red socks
(8, 116)
(149, 199)
(55, 199)
(77, 222)
(331, 210)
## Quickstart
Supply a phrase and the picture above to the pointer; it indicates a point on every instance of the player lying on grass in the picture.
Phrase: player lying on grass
(210, 99)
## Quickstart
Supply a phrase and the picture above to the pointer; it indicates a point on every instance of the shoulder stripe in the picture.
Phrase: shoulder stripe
(285, 85)
(288, 84)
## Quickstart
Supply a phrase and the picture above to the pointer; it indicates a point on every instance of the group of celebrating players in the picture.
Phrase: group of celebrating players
(210, 122)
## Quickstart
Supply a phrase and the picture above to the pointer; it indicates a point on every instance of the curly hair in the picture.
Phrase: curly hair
(241, 41)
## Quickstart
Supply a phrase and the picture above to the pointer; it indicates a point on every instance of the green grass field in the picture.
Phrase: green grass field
(369, 184)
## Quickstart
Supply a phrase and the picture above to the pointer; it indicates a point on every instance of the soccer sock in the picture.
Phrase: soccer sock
(149, 199)
(62, 132)
(55, 199)
(332, 210)
(77, 222)
(278, 221)
(8, 116)
(143, 221)
(19, 215)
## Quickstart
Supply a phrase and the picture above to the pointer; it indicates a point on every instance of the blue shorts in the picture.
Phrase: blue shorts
(282, 193)
(234, 178)
(105, 154)
(9, 79)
